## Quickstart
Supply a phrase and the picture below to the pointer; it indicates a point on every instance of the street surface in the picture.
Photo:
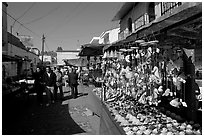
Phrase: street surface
(71, 116)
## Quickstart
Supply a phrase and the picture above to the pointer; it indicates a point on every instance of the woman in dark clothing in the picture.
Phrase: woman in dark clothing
(38, 85)
(73, 82)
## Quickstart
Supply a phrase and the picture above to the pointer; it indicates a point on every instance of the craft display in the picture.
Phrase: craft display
(137, 83)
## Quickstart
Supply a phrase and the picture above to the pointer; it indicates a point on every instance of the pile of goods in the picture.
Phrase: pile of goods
(98, 92)
(139, 119)
(134, 91)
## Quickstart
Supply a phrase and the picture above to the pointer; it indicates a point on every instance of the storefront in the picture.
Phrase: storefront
(150, 81)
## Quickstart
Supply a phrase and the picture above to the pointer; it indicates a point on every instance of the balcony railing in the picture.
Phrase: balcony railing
(141, 21)
(167, 7)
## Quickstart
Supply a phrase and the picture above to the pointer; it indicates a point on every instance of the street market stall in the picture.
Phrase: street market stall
(93, 54)
(145, 89)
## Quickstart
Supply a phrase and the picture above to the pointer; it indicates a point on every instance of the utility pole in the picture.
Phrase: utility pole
(43, 42)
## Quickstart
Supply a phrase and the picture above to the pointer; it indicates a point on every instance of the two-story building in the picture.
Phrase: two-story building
(173, 24)
(106, 37)
(16, 58)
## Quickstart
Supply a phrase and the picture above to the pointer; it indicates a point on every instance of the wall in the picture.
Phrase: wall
(4, 28)
(66, 55)
(136, 12)
(14, 50)
(10, 69)
(113, 35)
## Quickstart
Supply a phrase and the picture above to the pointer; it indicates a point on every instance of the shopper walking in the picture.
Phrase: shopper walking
(73, 82)
(58, 84)
(38, 77)
(49, 79)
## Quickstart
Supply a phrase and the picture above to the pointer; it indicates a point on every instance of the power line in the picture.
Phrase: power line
(26, 11)
(39, 18)
(23, 15)
(21, 24)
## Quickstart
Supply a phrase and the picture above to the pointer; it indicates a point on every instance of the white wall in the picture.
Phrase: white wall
(66, 55)
(113, 35)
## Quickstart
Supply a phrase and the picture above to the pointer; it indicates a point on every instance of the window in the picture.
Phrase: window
(167, 7)
(130, 25)
(141, 21)
(151, 12)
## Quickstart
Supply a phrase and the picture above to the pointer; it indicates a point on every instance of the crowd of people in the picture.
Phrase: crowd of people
(50, 80)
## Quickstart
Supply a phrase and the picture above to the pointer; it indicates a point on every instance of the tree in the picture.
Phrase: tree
(59, 49)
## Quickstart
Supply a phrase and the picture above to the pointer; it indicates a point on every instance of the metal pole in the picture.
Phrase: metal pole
(43, 41)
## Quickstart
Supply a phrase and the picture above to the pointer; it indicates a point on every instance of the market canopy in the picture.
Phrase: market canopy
(189, 14)
(92, 49)
(80, 62)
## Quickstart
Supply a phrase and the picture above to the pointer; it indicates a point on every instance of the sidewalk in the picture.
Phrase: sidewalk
(66, 117)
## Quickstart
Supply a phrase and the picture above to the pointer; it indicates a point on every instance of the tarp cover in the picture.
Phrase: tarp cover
(92, 50)
(80, 62)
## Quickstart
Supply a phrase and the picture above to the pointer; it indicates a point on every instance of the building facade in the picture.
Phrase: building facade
(141, 19)
(66, 54)
(107, 37)
(173, 25)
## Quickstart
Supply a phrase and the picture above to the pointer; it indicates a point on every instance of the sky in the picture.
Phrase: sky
(65, 24)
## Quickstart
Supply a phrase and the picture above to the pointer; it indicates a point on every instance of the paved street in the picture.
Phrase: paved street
(67, 117)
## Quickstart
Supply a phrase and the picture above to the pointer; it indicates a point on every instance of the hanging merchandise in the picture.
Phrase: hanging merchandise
(115, 54)
(111, 54)
(138, 96)
(105, 55)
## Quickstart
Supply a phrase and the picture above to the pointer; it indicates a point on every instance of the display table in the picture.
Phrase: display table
(107, 124)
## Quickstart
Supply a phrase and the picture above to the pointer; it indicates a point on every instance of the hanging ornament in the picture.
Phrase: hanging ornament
(111, 54)
(157, 50)
(129, 50)
(105, 55)
(127, 58)
(144, 44)
(115, 54)
(108, 54)
(152, 42)
(123, 50)
(139, 41)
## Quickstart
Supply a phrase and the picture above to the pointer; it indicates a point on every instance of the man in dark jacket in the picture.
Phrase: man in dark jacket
(49, 79)
(38, 85)
(73, 82)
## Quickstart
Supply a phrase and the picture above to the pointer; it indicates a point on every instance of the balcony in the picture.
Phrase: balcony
(167, 7)
(141, 21)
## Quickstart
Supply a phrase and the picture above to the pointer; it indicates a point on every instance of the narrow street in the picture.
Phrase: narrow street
(61, 118)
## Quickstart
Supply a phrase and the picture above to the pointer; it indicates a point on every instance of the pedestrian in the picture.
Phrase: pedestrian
(38, 77)
(66, 78)
(73, 82)
(58, 84)
(49, 79)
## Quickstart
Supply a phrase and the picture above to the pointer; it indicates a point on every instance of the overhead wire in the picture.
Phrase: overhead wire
(43, 16)
(22, 24)
(23, 15)
(29, 8)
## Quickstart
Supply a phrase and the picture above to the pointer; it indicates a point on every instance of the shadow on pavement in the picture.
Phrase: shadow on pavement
(20, 117)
